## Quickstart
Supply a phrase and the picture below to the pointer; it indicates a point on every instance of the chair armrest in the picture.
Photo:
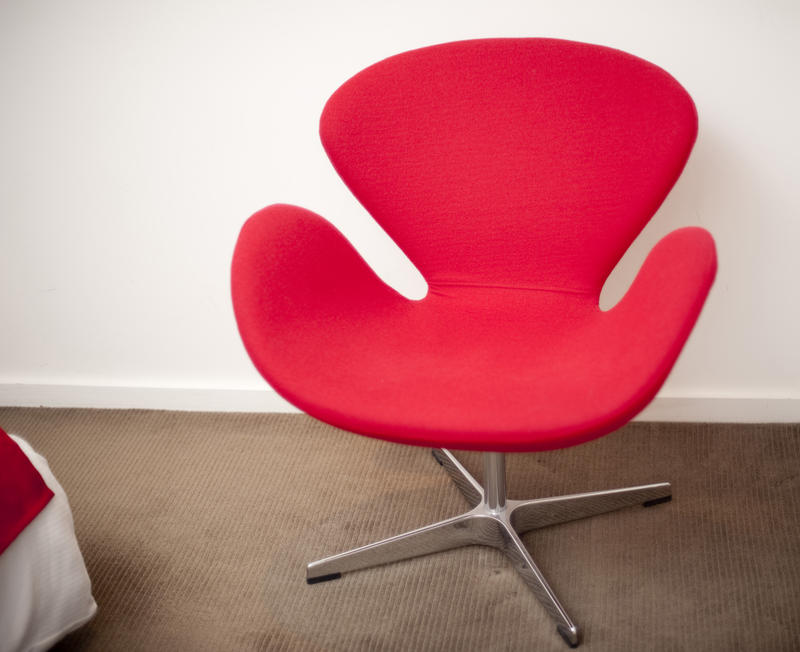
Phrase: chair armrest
(665, 299)
(295, 277)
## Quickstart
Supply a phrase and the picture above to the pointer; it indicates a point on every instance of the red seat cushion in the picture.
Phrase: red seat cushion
(514, 173)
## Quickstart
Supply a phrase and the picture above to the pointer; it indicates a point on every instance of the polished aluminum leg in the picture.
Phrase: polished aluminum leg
(526, 567)
(438, 537)
(529, 515)
(469, 487)
(493, 521)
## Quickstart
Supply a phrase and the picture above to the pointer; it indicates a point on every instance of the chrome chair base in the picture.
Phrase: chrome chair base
(495, 521)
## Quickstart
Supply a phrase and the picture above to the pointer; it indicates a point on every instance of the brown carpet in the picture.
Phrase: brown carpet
(196, 529)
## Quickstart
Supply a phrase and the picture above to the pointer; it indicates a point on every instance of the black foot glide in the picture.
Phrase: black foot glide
(323, 578)
(566, 636)
(657, 501)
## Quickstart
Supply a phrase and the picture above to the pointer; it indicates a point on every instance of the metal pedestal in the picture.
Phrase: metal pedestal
(496, 521)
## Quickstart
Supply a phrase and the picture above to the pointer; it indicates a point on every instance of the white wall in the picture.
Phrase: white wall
(136, 137)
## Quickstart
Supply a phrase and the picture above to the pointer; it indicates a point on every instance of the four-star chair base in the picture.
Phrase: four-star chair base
(496, 521)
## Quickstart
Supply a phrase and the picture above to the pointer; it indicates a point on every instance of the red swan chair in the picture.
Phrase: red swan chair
(514, 173)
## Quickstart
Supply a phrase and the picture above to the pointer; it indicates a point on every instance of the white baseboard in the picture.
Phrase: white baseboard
(716, 409)
(147, 398)
(663, 408)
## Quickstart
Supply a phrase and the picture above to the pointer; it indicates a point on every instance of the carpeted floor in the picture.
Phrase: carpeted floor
(196, 529)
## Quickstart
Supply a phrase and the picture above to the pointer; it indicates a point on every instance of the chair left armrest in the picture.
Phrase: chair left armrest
(666, 297)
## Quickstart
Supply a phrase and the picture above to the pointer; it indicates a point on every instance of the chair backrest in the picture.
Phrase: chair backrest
(511, 162)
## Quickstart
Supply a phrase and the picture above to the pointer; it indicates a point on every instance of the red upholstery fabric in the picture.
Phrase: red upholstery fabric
(514, 173)
(23, 493)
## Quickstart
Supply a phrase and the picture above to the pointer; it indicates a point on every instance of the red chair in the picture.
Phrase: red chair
(514, 173)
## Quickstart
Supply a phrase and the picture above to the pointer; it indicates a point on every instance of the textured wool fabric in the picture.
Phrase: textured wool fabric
(514, 173)
(512, 162)
(23, 493)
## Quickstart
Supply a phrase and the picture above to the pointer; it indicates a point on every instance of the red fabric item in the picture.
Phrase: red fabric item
(23, 493)
(514, 173)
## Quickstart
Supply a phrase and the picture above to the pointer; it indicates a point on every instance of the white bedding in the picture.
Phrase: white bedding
(45, 591)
